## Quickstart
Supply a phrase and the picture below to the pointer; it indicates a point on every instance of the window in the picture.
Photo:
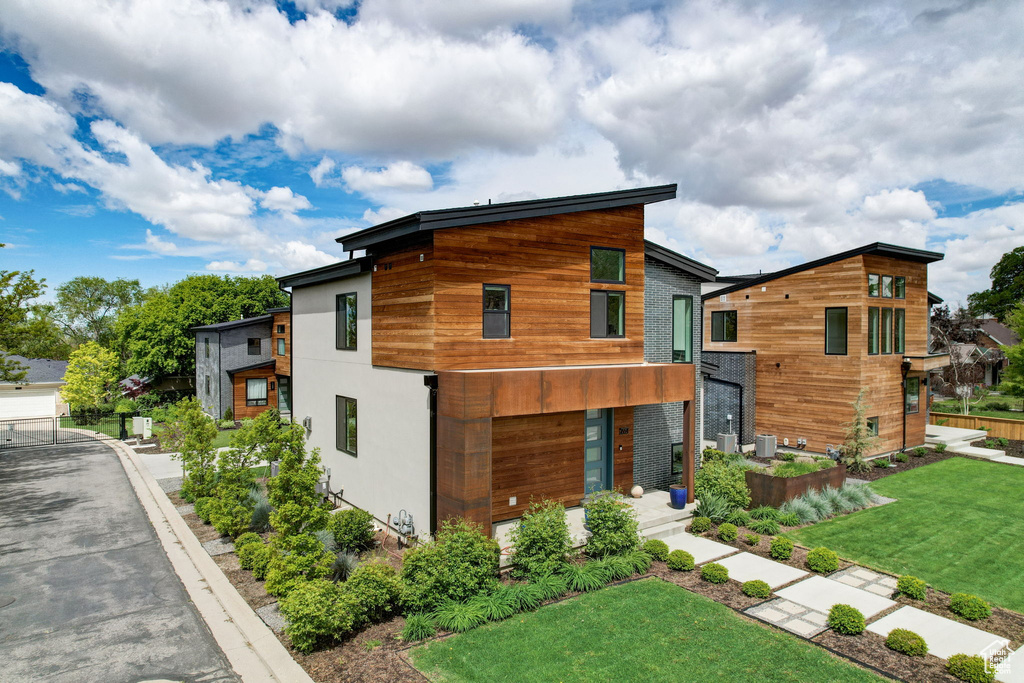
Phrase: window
(872, 330)
(900, 333)
(345, 322)
(872, 284)
(280, 347)
(677, 458)
(607, 314)
(280, 329)
(901, 287)
(256, 392)
(835, 331)
(207, 385)
(255, 348)
(346, 424)
(887, 286)
(607, 265)
(723, 326)
(682, 329)
(913, 395)
(496, 311)
(873, 426)
(206, 343)
(886, 330)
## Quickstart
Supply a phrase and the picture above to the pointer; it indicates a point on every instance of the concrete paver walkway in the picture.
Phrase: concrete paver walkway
(702, 549)
(790, 616)
(865, 579)
(819, 593)
(96, 598)
(748, 567)
(944, 637)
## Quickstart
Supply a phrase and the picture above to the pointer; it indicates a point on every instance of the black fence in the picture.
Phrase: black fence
(77, 428)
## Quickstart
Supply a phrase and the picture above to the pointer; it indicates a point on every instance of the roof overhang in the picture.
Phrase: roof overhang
(232, 324)
(934, 361)
(685, 263)
(272, 363)
(316, 276)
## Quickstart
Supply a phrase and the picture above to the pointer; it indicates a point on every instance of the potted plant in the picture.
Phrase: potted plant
(677, 494)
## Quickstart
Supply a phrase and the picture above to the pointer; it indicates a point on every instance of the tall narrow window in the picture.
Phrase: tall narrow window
(723, 326)
(835, 331)
(256, 392)
(496, 323)
(280, 329)
(206, 343)
(345, 322)
(872, 330)
(886, 330)
(682, 329)
(607, 314)
(887, 286)
(677, 458)
(346, 424)
(873, 426)
(900, 287)
(280, 346)
(913, 394)
(207, 385)
(255, 348)
(872, 284)
(900, 331)
(607, 265)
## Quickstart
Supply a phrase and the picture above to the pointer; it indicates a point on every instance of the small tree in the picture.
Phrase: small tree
(232, 511)
(297, 506)
(191, 434)
(859, 440)
(88, 377)
(956, 333)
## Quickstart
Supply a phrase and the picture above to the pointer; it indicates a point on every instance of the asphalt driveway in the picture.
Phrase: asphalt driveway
(95, 597)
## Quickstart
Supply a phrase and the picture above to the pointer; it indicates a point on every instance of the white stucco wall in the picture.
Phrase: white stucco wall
(392, 469)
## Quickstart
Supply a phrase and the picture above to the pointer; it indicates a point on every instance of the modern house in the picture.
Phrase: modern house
(39, 394)
(788, 352)
(245, 365)
(991, 335)
(481, 357)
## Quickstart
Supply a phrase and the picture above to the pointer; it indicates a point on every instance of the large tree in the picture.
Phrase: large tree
(40, 336)
(1007, 288)
(1012, 381)
(155, 338)
(87, 307)
(17, 290)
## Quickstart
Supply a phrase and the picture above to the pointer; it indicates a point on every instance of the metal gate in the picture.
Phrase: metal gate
(49, 431)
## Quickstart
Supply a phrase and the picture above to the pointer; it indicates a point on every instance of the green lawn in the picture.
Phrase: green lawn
(958, 524)
(982, 409)
(646, 630)
(223, 438)
(110, 426)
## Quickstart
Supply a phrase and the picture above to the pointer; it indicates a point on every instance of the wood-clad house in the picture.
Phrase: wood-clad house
(818, 333)
(481, 357)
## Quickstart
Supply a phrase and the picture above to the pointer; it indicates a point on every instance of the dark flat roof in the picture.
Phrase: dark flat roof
(231, 324)
(335, 271)
(262, 364)
(279, 309)
(873, 249)
(934, 299)
(677, 260)
(492, 213)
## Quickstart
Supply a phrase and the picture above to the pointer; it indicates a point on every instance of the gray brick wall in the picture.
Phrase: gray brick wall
(657, 427)
(722, 397)
(208, 367)
(229, 350)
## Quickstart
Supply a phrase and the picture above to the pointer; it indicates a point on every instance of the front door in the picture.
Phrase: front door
(597, 450)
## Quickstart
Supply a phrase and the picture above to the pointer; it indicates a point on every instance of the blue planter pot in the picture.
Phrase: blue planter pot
(677, 497)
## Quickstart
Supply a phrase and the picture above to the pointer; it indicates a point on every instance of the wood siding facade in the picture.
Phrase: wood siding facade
(242, 411)
(283, 363)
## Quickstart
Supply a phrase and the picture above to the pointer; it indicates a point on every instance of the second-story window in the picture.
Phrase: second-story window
(255, 348)
(900, 287)
(682, 329)
(345, 322)
(872, 284)
(607, 265)
(886, 330)
(900, 330)
(280, 347)
(723, 326)
(873, 331)
(280, 329)
(607, 314)
(496, 323)
(887, 286)
(835, 331)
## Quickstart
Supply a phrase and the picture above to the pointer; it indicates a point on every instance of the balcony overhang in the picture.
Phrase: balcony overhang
(933, 361)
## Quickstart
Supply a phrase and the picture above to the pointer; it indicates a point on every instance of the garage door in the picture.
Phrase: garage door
(27, 403)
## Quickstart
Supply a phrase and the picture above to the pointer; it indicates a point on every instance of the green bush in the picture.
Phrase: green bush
(780, 548)
(768, 527)
(880, 463)
(969, 606)
(459, 616)
(715, 507)
(541, 542)
(920, 451)
(751, 539)
(700, 525)
(794, 469)
(940, 447)
(246, 539)
(529, 596)
(229, 517)
(971, 668)
(727, 532)
(822, 560)
(260, 504)
(418, 627)
(912, 587)
(789, 519)
(616, 566)
(846, 620)
(551, 586)
(297, 507)
(317, 613)
(712, 572)
(352, 529)
(455, 566)
(640, 561)
(680, 561)
(657, 549)
(261, 557)
(377, 590)
(228, 415)
(299, 558)
(498, 604)
(722, 479)
(713, 455)
(906, 642)
(756, 589)
(249, 552)
(764, 512)
(739, 518)
(203, 508)
(612, 524)
(786, 456)
(587, 577)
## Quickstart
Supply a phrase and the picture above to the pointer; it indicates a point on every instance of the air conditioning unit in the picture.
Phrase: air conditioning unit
(727, 443)
(765, 445)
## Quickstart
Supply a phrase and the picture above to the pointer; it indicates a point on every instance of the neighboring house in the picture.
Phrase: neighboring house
(245, 365)
(991, 335)
(39, 396)
(798, 345)
(480, 358)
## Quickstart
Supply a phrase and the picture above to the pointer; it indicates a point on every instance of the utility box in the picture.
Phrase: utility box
(142, 427)
(727, 443)
(765, 445)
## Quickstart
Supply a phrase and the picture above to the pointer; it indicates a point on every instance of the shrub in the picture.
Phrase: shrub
(550, 586)
(786, 456)
(804, 512)
(969, 606)
(900, 457)
(298, 508)
(920, 451)
(727, 532)
(377, 589)
(880, 463)
(699, 525)
(317, 613)
(527, 596)
(298, 558)
(418, 627)
(249, 552)
(617, 567)
(260, 520)
(261, 557)
(657, 549)
(455, 566)
(497, 605)
(229, 517)
(326, 539)
(912, 587)
(586, 577)
(191, 433)
(612, 523)
(764, 512)
(722, 479)
(768, 527)
(459, 616)
(846, 620)
(971, 668)
(940, 447)
(837, 502)
(780, 548)
(680, 561)
(789, 519)
(344, 564)
(859, 495)
(751, 539)
(226, 424)
(756, 589)
(352, 529)
(712, 572)
(228, 415)
(541, 541)
(247, 538)
(794, 469)
(906, 642)
(739, 518)
(822, 560)
(997, 405)
(203, 507)
(714, 455)
(822, 508)
(715, 507)
(640, 561)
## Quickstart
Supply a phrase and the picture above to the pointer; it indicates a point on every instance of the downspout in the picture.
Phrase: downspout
(430, 381)
(904, 368)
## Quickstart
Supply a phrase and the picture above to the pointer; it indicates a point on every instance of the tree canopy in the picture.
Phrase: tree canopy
(1007, 288)
(17, 290)
(87, 307)
(89, 376)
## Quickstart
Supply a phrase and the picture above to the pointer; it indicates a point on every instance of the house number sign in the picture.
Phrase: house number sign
(623, 430)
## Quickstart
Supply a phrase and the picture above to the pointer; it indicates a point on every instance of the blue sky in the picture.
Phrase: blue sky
(155, 139)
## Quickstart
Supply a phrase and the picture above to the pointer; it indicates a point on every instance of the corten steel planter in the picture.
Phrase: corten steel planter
(768, 490)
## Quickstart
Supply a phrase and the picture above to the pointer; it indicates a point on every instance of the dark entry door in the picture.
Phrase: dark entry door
(597, 450)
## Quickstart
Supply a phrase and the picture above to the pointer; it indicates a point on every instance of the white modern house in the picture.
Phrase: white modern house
(39, 395)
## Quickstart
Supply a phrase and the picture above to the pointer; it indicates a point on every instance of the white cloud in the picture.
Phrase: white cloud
(467, 17)
(250, 266)
(321, 173)
(401, 175)
(283, 200)
(898, 204)
(296, 255)
(383, 215)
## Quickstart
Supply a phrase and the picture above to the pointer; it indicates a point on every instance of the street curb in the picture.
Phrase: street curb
(251, 647)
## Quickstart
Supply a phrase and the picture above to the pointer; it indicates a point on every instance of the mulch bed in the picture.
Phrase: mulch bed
(1014, 448)
(870, 648)
(913, 462)
(798, 559)
(1002, 622)
(729, 593)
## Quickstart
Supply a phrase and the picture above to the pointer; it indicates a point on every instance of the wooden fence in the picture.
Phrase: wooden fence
(997, 426)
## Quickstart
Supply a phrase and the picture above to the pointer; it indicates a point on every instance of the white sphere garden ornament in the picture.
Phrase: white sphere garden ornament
(637, 491)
